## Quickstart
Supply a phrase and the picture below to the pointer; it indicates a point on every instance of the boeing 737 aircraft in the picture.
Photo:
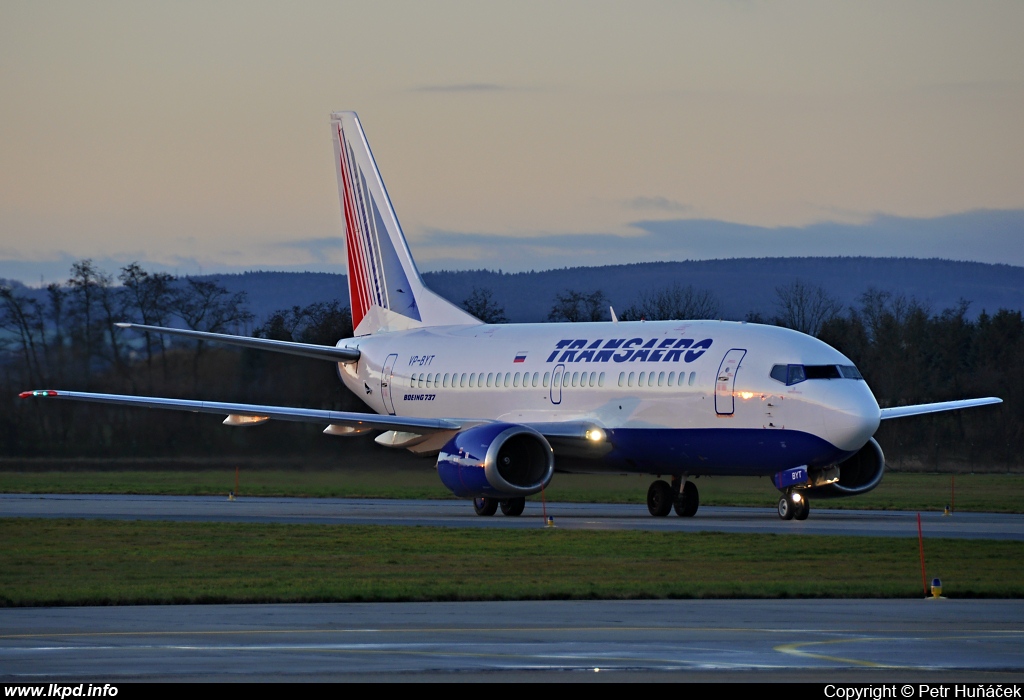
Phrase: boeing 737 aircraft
(505, 406)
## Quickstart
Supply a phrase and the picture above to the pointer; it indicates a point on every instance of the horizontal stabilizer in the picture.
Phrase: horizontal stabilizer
(316, 352)
(922, 408)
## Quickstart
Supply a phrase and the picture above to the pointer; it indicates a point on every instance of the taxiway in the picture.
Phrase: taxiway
(452, 513)
(863, 641)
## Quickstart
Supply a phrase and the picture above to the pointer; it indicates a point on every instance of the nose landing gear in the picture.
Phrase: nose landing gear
(793, 506)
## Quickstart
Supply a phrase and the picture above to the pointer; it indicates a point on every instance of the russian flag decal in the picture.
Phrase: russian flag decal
(520, 356)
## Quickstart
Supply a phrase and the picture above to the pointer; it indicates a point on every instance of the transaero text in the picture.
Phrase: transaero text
(628, 350)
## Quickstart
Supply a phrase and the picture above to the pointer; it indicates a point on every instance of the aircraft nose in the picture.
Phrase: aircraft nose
(852, 417)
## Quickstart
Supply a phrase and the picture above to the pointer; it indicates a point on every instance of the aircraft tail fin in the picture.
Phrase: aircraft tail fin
(385, 289)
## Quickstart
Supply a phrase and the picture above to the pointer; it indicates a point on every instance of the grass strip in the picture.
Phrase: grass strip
(997, 493)
(97, 562)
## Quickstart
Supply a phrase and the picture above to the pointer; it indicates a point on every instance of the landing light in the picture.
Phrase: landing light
(595, 435)
(797, 498)
(746, 394)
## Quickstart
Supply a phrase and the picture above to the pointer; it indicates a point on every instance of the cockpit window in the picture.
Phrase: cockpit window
(794, 374)
(822, 372)
(788, 374)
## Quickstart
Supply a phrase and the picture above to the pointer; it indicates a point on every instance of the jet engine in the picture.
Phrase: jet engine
(857, 474)
(496, 460)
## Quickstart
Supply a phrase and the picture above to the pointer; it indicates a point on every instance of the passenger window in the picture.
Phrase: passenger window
(547, 378)
(671, 378)
(508, 378)
(693, 378)
(643, 377)
(600, 379)
(515, 379)
(462, 380)
(536, 378)
(661, 379)
(565, 379)
(650, 379)
(629, 380)
(490, 379)
(622, 379)
(412, 381)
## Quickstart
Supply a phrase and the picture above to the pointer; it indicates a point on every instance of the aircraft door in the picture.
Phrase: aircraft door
(385, 383)
(555, 392)
(725, 384)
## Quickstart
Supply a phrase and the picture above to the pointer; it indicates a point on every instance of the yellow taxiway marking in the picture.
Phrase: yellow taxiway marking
(796, 649)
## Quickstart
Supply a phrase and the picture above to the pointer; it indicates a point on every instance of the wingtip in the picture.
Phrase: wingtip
(37, 392)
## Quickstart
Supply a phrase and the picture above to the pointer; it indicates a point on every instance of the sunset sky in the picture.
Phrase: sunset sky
(194, 137)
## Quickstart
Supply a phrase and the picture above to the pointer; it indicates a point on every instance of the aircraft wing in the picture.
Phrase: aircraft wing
(919, 409)
(253, 414)
(317, 352)
(575, 437)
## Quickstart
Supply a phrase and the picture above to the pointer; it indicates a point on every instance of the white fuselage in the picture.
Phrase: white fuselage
(669, 387)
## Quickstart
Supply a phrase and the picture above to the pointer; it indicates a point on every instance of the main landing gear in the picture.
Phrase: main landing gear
(793, 506)
(683, 496)
(509, 506)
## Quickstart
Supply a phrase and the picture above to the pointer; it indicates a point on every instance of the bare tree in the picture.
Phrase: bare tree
(674, 302)
(805, 308)
(481, 304)
(327, 323)
(95, 307)
(150, 297)
(18, 315)
(321, 323)
(576, 306)
(206, 306)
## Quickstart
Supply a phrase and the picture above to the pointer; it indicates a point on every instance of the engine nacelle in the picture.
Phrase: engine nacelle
(857, 474)
(497, 460)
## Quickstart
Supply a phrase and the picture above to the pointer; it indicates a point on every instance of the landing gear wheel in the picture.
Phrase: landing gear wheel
(512, 506)
(803, 510)
(659, 499)
(688, 500)
(485, 506)
(787, 509)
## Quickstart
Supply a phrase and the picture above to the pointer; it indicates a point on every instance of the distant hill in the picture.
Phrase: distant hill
(742, 285)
